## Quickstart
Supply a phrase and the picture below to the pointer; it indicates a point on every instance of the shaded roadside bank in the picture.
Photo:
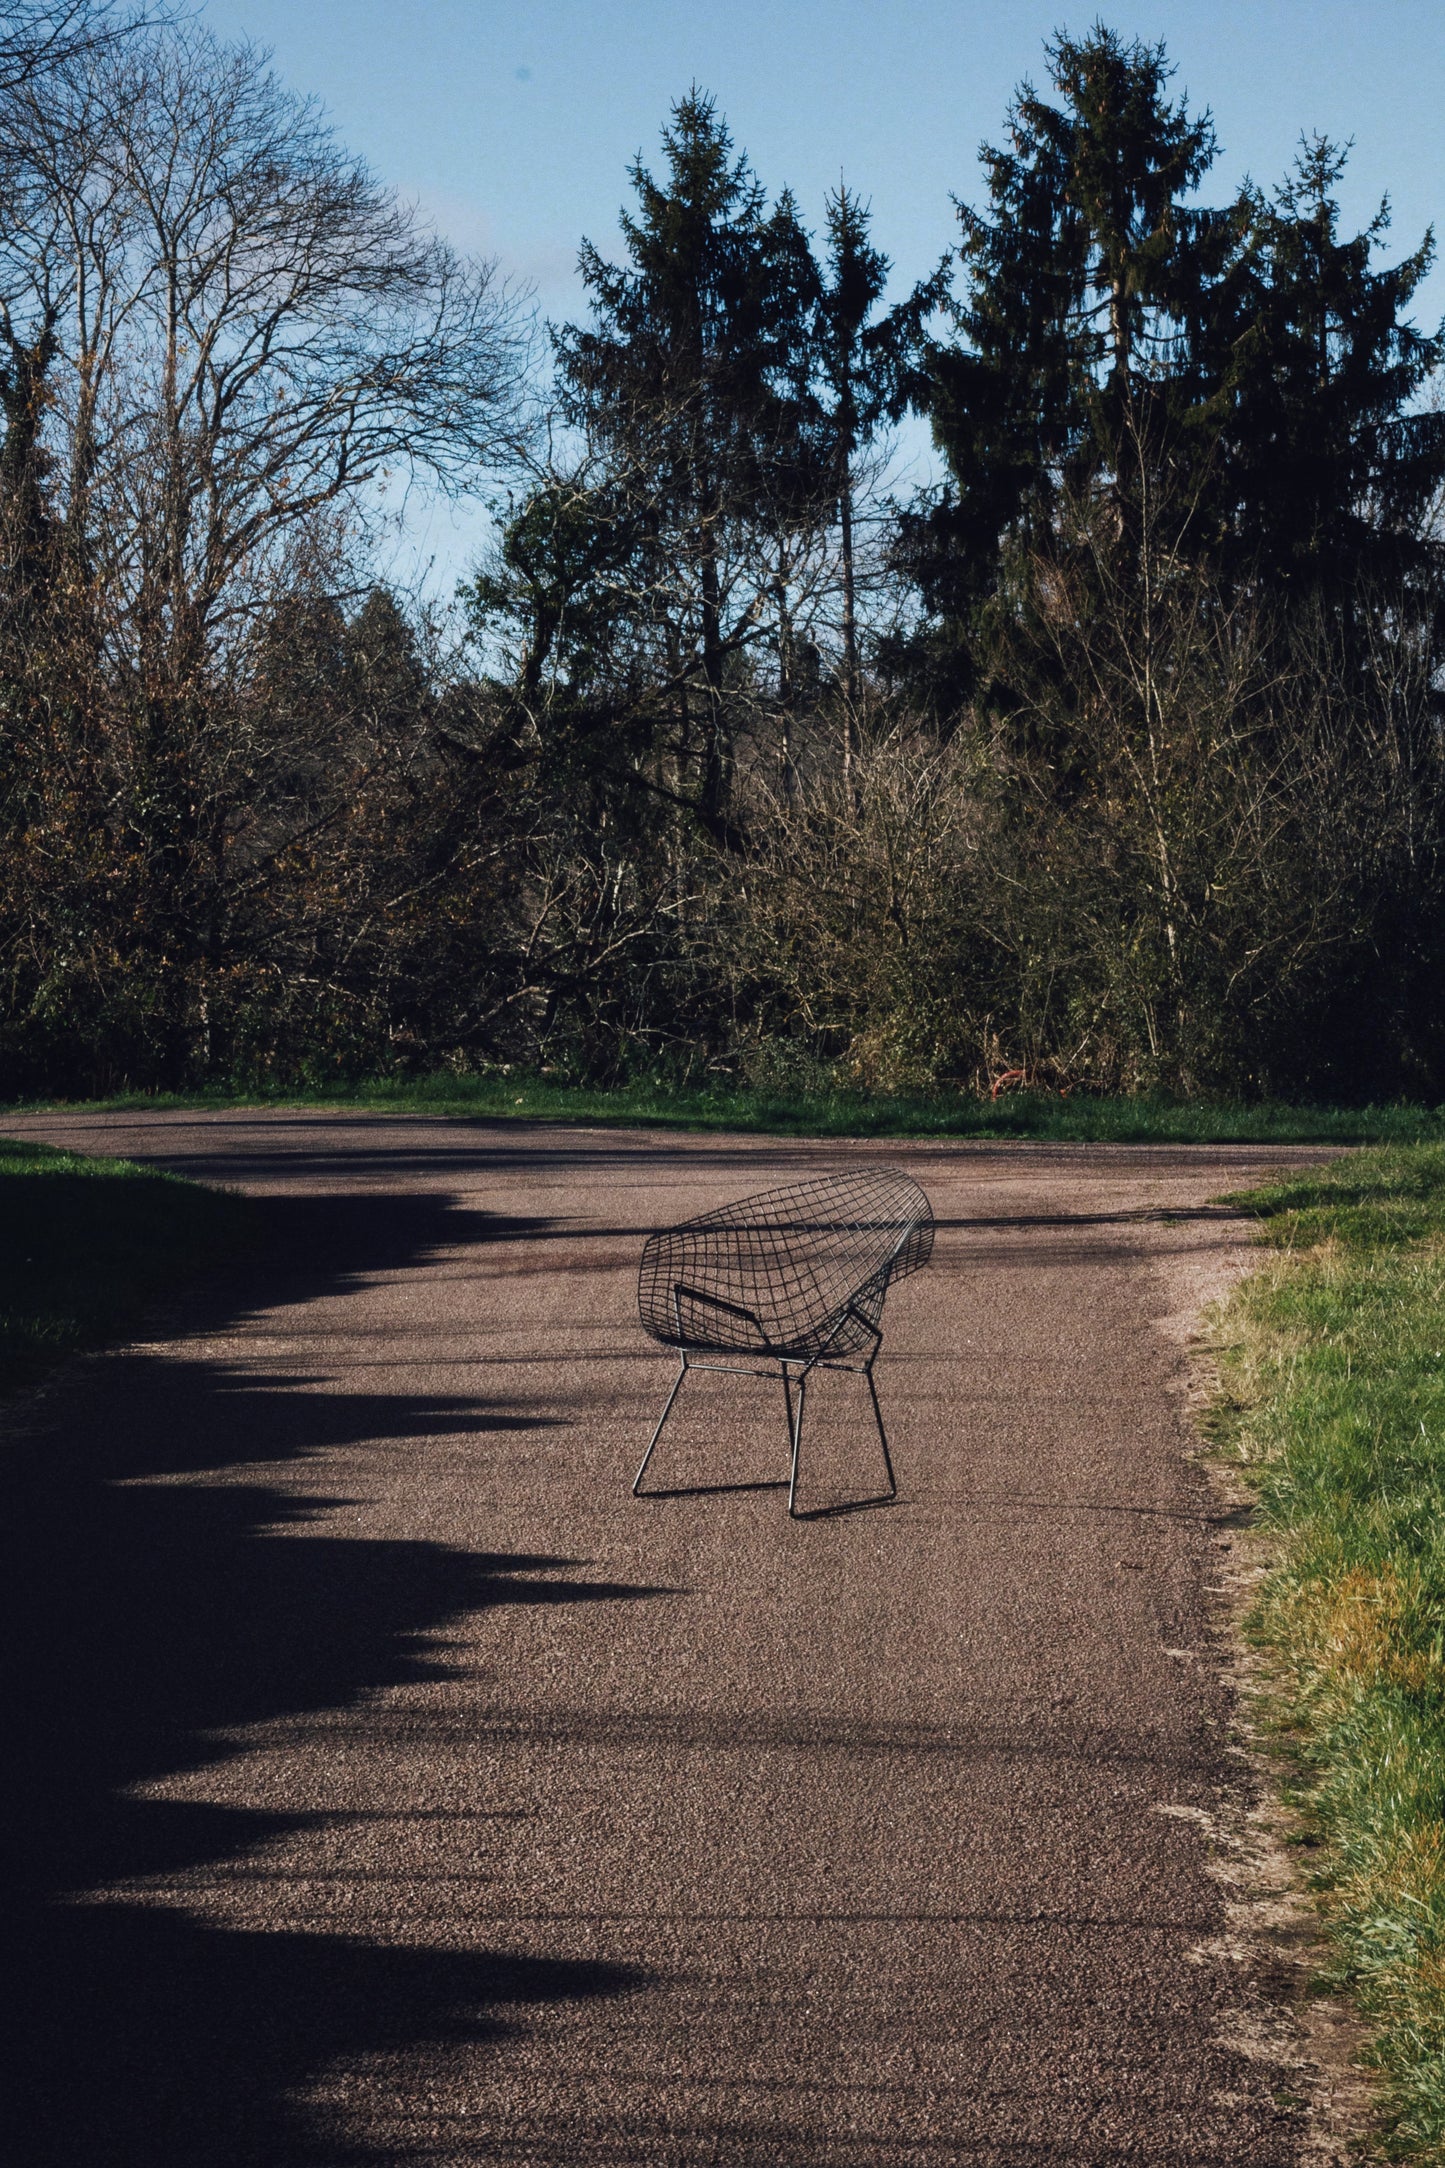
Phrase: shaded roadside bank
(92, 1243)
(1082, 1118)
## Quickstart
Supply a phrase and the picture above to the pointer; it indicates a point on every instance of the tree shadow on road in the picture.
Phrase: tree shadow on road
(153, 1617)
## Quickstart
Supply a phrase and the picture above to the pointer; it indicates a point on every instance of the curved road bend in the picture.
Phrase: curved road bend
(413, 1794)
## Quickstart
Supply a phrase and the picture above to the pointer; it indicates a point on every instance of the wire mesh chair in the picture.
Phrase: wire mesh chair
(795, 1277)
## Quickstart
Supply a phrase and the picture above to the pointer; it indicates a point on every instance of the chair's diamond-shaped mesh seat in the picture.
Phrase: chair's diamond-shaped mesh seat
(796, 1276)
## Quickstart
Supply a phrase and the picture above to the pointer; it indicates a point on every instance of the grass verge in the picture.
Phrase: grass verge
(1334, 1407)
(844, 1114)
(89, 1244)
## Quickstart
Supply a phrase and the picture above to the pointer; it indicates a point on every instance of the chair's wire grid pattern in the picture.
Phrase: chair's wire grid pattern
(795, 1276)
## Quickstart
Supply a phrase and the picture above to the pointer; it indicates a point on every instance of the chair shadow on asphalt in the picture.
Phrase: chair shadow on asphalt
(148, 1619)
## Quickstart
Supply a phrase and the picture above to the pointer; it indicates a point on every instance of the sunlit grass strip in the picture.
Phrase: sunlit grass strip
(87, 1244)
(1335, 1405)
(827, 1113)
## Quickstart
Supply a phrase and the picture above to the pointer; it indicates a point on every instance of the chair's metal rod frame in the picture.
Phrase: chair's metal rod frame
(787, 1363)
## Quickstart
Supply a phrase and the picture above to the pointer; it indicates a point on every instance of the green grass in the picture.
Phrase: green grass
(1334, 1406)
(848, 1114)
(89, 1244)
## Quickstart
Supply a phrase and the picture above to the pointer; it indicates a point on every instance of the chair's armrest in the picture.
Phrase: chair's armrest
(680, 1289)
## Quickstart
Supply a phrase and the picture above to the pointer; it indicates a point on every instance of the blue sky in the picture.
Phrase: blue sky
(513, 126)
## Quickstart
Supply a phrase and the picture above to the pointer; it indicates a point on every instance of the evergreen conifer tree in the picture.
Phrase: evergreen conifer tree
(1089, 276)
(1327, 465)
(687, 382)
(1254, 366)
(867, 366)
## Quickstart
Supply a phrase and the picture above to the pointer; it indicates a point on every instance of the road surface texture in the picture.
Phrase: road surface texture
(405, 1791)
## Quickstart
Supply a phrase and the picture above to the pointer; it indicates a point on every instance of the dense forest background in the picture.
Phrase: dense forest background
(1115, 760)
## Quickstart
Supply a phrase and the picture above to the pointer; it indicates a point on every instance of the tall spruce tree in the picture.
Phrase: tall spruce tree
(687, 384)
(1088, 278)
(1328, 466)
(1253, 365)
(867, 365)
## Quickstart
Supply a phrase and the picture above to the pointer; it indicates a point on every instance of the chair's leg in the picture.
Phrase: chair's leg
(882, 1433)
(666, 1411)
(795, 1428)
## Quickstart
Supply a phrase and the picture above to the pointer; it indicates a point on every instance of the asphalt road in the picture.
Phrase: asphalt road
(405, 1791)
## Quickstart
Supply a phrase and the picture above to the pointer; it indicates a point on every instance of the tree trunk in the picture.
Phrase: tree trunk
(850, 629)
(715, 763)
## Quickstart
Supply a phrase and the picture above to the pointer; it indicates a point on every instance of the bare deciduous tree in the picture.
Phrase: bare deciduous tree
(221, 336)
(247, 326)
